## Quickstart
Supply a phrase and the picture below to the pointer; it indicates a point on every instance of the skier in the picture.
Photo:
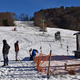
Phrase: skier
(16, 49)
(34, 51)
(5, 52)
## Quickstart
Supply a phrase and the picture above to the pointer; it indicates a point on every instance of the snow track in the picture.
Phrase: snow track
(30, 37)
(23, 68)
(18, 70)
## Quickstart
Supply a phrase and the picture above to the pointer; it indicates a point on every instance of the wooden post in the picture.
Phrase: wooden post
(77, 44)
(49, 62)
(67, 50)
(65, 66)
(41, 49)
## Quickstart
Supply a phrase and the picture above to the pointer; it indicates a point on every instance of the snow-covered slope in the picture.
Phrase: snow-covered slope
(30, 37)
(24, 23)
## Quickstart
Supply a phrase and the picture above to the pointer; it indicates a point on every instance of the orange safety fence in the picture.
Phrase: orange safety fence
(55, 64)
(41, 62)
(67, 57)
(75, 59)
(60, 68)
(37, 57)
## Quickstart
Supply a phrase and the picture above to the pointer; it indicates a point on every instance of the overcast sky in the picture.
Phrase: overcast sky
(31, 6)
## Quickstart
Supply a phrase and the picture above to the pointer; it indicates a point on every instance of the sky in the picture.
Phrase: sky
(31, 6)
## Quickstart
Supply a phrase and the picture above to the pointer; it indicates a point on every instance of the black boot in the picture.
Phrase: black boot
(3, 65)
(7, 63)
(17, 60)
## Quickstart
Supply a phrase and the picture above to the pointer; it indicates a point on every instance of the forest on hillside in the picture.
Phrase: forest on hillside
(67, 18)
(7, 18)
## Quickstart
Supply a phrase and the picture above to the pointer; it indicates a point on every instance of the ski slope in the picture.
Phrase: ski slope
(29, 36)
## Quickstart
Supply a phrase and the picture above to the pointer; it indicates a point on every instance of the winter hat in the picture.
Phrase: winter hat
(30, 49)
(17, 41)
(4, 41)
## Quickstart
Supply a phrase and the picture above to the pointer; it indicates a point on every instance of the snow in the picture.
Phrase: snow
(29, 36)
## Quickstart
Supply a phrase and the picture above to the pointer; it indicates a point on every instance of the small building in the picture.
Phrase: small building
(77, 52)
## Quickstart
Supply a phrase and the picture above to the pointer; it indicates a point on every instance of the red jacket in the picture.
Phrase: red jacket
(16, 47)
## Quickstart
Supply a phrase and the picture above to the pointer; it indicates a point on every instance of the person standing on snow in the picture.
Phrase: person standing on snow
(16, 49)
(5, 52)
(34, 51)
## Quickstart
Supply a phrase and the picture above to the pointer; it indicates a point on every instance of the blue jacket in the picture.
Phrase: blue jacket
(34, 53)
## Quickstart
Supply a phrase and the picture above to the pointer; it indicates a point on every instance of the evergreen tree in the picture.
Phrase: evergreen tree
(5, 22)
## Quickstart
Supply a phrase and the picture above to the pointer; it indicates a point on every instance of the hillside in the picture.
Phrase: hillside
(66, 18)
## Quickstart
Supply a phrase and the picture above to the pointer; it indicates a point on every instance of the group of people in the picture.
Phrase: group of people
(5, 51)
(6, 48)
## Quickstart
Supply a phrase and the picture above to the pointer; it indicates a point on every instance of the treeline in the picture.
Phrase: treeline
(21, 17)
(67, 18)
(7, 18)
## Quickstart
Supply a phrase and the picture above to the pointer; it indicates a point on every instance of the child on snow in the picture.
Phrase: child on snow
(33, 53)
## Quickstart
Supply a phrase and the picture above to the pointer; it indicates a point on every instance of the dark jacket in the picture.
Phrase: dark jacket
(16, 46)
(6, 47)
